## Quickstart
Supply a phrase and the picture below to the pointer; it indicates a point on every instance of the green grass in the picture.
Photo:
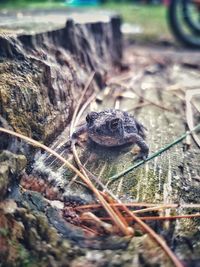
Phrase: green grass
(151, 18)
(14, 5)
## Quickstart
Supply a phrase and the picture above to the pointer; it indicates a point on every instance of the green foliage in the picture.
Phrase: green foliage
(151, 18)
(12, 4)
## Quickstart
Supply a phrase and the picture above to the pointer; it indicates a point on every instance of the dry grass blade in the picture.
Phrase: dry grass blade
(83, 108)
(107, 207)
(89, 231)
(156, 237)
(158, 218)
(186, 216)
(115, 218)
(121, 77)
(116, 209)
(145, 99)
(140, 105)
(151, 209)
(189, 114)
(89, 216)
(80, 101)
(76, 120)
(141, 204)
(76, 116)
(152, 102)
(74, 178)
(97, 180)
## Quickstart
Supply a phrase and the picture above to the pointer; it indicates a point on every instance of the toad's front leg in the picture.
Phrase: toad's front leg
(75, 136)
(77, 133)
(137, 139)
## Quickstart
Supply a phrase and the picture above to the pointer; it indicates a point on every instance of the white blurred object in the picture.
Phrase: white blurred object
(127, 28)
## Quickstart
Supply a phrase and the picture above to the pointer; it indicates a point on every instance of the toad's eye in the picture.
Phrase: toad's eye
(91, 117)
(114, 124)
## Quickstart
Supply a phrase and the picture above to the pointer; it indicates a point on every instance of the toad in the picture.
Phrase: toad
(113, 127)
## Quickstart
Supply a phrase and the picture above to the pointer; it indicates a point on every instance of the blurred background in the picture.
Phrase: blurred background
(145, 19)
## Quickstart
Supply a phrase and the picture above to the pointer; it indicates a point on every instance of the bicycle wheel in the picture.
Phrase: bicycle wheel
(184, 22)
(191, 14)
